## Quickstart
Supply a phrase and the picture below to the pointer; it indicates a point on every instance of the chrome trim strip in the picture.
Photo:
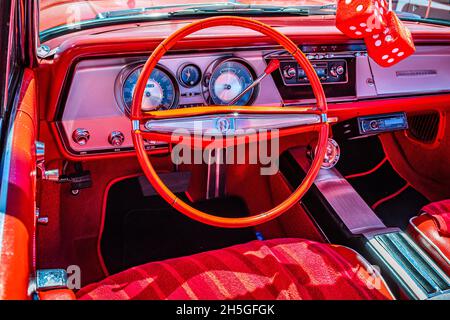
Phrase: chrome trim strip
(218, 176)
(396, 268)
(405, 276)
(136, 125)
(230, 123)
(347, 203)
(208, 177)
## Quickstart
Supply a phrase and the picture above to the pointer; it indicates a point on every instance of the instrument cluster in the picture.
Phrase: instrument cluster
(218, 84)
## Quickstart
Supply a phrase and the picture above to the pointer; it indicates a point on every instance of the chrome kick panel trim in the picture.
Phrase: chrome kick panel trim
(230, 123)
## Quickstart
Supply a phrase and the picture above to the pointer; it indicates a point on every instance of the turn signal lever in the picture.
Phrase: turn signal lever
(273, 65)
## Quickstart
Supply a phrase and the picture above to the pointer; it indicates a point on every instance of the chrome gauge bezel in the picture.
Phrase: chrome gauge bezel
(127, 71)
(180, 70)
(206, 84)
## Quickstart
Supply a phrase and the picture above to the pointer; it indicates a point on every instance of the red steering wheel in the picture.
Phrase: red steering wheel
(141, 131)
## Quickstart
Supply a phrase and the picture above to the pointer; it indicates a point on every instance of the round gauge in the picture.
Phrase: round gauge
(159, 94)
(190, 75)
(228, 80)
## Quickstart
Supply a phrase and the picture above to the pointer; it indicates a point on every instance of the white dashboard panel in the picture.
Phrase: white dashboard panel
(92, 103)
(426, 71)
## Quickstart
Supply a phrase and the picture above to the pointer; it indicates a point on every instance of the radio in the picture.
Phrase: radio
(369, 125)
(328, 71)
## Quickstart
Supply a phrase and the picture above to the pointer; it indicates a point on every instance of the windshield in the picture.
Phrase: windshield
(77, 14)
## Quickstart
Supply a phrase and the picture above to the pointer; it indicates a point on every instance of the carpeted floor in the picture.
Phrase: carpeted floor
(141, 229)
(362, 155)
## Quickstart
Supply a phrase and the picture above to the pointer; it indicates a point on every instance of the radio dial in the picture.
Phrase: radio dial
(340, 70)
(374, 124)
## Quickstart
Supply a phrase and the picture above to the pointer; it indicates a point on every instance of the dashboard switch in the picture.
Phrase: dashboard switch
(116, 138)
(81, 136)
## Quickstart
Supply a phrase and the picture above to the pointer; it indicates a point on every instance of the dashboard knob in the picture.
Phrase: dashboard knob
(333, 72)
(374, 125)
(81, 136)
(289, 72)
(340, 70)
(116, 138)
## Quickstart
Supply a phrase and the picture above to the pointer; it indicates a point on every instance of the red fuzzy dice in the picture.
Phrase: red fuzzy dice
(361, 18)
(392, 45)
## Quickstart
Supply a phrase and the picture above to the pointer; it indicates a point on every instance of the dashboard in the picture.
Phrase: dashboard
(93, 116)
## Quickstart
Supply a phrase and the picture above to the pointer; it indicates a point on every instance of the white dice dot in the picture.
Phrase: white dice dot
(352, 28)
(348, 1)
(395, 50)
(390, 60)
(368, 30)
(376, 36)
(385, 57)
(400, 54)
(388, 38)
(359, 8)
(378, 43)
(358, 33)
(362, 24)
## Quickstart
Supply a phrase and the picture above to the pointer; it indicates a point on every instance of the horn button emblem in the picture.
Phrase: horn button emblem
(225, 125)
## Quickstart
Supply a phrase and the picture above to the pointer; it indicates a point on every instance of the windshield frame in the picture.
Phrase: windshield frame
(149, 14)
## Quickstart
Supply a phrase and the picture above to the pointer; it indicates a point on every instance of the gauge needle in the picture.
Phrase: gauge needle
(271, 67)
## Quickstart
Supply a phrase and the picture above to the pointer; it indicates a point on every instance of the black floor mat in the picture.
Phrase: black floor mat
(359, 155)
(362, 155)
(397, 211)
(141, 229)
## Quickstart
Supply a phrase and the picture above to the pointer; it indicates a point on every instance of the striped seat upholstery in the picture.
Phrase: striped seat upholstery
(273, 269)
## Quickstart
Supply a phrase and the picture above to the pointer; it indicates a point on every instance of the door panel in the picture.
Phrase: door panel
(18, 189)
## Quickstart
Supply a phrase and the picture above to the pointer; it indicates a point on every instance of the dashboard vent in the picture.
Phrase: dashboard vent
(424, 127)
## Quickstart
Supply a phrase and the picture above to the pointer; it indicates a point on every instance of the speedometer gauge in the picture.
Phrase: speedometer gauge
(228, 79)
(159, 94)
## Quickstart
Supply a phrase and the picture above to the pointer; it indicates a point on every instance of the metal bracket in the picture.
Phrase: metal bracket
(51, 279)
(51, 175)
